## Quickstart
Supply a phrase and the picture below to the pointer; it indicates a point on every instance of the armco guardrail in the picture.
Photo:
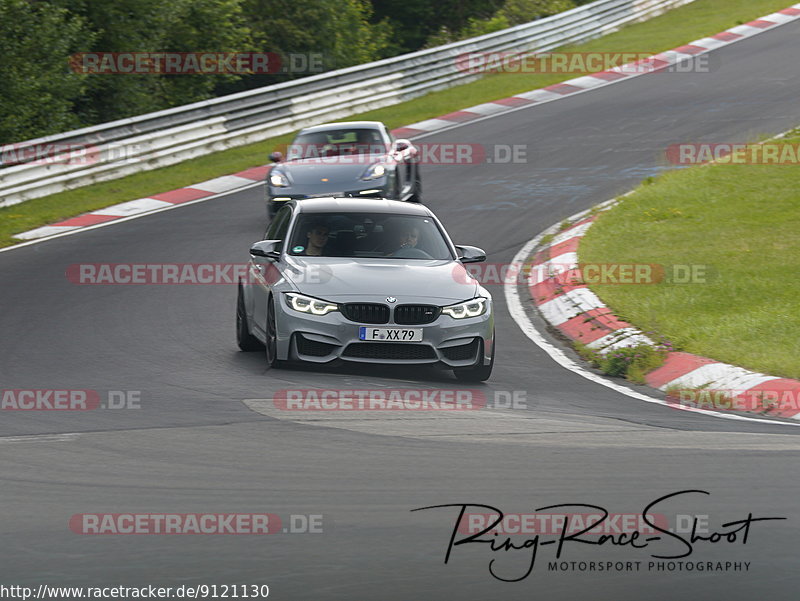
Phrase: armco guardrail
(119, 148)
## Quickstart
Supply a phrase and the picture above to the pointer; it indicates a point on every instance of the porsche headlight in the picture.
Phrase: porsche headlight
(470, 308)
(374, 171)
(278, 179)
(308, 304)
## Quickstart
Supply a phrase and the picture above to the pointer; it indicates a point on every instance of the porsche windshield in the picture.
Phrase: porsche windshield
(336, 142)
(377, 235)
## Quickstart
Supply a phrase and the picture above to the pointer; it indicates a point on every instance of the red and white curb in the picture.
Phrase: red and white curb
(603, 78)
(580, 315)
(226, 183)
(557, 91)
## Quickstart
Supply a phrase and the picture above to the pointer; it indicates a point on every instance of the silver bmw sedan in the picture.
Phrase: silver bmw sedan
(368, 281)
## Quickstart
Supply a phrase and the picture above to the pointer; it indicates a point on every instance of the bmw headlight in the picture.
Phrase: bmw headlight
(470, 308)
(308, 304)
(279, 179)
(374, 171)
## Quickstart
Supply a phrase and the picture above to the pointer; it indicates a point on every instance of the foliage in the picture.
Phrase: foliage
(512, 12)
(155, 26)
(41, 95)
(38, 95)
(517, 12)
(633, 363)
(415, 21)
(338, 29)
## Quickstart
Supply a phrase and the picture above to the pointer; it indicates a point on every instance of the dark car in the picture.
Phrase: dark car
(358, 159)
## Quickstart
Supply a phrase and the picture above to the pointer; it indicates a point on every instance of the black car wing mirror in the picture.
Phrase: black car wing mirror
(471, 254)
(267, 249)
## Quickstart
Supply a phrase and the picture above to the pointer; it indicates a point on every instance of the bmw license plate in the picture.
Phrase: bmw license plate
(390, 334)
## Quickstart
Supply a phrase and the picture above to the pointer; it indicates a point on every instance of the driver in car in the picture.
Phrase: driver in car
(407, 238)
(317, 239)
(367, 144)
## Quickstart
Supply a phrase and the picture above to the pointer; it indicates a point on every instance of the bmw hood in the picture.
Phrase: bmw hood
(435, 282)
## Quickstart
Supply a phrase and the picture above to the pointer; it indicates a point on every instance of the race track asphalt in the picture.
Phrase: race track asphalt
(195, 445)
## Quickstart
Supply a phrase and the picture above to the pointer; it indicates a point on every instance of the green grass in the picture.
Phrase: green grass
(703, 17)
(743, 221)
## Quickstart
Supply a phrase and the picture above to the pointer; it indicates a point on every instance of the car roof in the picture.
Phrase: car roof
(360, 205)
(341, 124)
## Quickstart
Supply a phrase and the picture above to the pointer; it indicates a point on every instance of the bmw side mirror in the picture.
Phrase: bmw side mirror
(276, 157)
(267, 249)
(471, 254)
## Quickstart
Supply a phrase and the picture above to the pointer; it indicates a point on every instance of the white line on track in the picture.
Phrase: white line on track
(38, 438)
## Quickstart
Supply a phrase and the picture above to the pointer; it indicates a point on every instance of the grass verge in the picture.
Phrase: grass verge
(740, 224)
(681, 25)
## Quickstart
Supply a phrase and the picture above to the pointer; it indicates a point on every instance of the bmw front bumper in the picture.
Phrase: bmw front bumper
(446, 341)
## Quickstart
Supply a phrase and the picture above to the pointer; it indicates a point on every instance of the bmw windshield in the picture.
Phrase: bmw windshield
(368, 235)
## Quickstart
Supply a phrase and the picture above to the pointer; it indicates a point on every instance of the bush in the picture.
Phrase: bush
(632, 363)
(517, 12)
(513, 12)
(38, 94)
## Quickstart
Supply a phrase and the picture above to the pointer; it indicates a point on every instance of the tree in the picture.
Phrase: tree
(338, 29)
(518, 12)
(415, 21)
(513, 12)
(157, 26)
(38, 93)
